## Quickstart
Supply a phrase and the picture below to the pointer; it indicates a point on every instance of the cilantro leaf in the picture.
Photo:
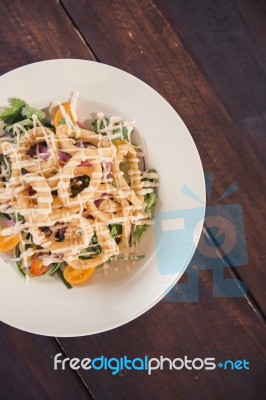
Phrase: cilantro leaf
(19, 112)
(28, 123)
(12, 114)
(102, 126)
(28, 112)
(124, 134)
(17, 103)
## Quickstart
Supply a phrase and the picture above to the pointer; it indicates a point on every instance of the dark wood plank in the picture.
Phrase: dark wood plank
(219, 328)
(34, 32)
(31, 33)
(228, 41)
(145, 44)
(27, 371)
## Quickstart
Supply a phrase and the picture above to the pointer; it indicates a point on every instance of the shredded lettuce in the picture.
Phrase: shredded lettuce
(150, 199)
(139, 231)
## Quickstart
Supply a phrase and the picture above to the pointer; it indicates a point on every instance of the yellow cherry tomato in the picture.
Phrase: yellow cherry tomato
(58, 116)
(118, 142)
(76, 276)
(8, 242)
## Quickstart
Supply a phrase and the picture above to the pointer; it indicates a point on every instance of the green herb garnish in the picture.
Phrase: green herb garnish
(139, 231)
(115, 231)
(150, 199)
(20, 112)
(123, 136)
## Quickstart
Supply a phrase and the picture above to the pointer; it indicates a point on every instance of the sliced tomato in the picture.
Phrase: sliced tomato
(37, 268)
(118, 142)
(8, 242)
(58, 116)
(76, 276)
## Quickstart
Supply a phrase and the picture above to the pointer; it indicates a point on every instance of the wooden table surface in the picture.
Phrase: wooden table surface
(208, 59)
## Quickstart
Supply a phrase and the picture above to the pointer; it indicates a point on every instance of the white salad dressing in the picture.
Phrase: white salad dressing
(42, 206)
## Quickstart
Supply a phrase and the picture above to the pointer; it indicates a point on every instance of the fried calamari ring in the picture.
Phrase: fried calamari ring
(73, 169)
(134, 191)
(43, 199)
(102, 147)
(77, 237)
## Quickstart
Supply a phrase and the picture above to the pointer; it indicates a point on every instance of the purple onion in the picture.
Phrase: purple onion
(89, 217)
(61, 231)
(143, 164)
(44, 156)
(7, 134)
(86, 145)
(85, 164)
(42, 147)
(80, 125)
(31, 191)
(108, 166)
(98, 202)
(9, 222)
(64, 156)
(32, 151)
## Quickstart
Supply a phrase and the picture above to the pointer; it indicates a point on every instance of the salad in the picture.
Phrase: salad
(72, 200)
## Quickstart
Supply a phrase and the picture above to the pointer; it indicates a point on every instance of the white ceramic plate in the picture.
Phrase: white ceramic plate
(107, 301)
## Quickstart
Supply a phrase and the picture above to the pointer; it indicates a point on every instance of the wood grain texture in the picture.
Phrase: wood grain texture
(227, 41)
(138, 37)
(27, 372)
(146, 44)
(219, 328)
(30, 33)
(33, 31)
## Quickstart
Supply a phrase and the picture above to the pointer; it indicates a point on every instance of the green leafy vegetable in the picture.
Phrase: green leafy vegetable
(20, 112)
(102, 126)
(92, 251)
(115, 231)
(28, 112)
(139, 231)
(5, 164)
(12, 113)
(118, 130)
(150, 199)
(18, 217)
(54, 268)
(61, 276)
